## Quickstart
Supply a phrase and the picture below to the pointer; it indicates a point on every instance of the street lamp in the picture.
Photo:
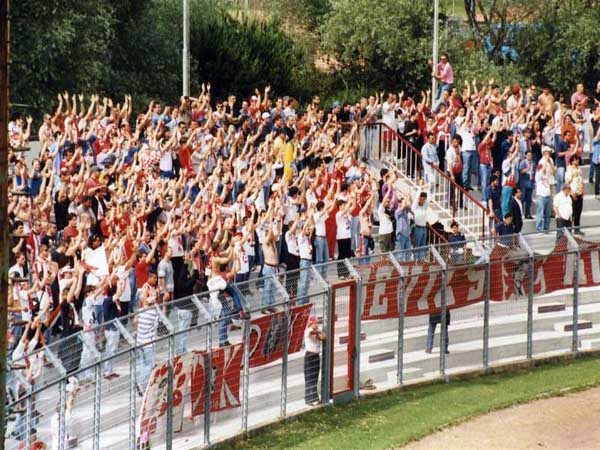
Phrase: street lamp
(186, 48)
(436, 12)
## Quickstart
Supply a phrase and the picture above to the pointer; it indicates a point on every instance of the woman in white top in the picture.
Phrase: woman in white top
(313, 341)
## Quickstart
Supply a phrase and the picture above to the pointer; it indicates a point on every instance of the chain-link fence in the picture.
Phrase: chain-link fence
(218, 364)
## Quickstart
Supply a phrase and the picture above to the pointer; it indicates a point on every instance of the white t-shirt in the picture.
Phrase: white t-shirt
(291, 241)
(304, 247)
(215, 285)
(564, 204)
(388, 116)
(320, 218)
(176, 246)
(242, 257)
(343, 225)
(311, 342)
(385, 223)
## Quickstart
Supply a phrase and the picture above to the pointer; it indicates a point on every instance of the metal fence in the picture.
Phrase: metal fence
(385, 317)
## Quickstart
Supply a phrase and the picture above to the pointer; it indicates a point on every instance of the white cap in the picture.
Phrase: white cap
(546, 148)
(266, 115)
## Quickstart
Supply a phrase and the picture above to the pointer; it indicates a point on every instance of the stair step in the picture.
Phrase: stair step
(551, 307)
(568, 326)
(382, 356)
(590, 344)
(345, 339)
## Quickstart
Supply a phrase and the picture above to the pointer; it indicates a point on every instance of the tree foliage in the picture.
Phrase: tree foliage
(381, 43)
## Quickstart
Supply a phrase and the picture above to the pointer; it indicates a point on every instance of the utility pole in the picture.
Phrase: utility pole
(436, 22)
(4, 244)
(186, 47)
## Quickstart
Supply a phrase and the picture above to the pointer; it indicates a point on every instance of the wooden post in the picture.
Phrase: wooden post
(4, 244)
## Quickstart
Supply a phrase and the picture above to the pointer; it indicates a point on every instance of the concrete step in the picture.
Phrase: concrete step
(551, 307)
(590, 344)
(568, 326)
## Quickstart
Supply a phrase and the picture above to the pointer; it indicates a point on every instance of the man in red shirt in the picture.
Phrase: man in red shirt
(485, 161)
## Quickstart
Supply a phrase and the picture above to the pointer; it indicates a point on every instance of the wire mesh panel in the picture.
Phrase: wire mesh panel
(378, 336)
(266, 339)
(307, 334)
(466, 276)
(509, 275)
(421, 290)
(343, 298)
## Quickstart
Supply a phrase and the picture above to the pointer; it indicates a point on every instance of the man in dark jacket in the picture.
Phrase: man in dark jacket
(516, 208)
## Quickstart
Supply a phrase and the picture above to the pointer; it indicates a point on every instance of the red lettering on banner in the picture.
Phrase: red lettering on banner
(509, 280)
(154, 402)
(225, 379)
(266, 335)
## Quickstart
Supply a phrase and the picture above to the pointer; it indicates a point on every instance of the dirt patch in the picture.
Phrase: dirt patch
(556, 423)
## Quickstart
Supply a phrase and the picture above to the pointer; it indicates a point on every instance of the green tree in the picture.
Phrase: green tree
(563, 47)
(63, 45)
(384, 43)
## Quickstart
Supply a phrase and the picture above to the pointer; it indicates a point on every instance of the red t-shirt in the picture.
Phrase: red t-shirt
(141, 273)
(484, 152)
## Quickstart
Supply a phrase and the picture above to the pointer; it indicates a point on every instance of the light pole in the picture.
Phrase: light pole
(436, 13)
(186, 48)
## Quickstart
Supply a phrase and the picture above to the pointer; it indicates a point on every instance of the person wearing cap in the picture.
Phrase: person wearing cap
(527, 181)
(314, 337)
(563, 209)
(505, 230)
(544, 176)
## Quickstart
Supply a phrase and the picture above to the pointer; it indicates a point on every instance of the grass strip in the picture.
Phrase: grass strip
(398, 417)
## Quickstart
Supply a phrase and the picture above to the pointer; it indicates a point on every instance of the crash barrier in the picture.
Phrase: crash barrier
(210, 374)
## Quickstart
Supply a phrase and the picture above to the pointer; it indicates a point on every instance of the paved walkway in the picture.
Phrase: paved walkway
(556, 423)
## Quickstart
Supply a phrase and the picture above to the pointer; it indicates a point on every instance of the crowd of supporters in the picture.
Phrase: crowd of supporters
(119, 211)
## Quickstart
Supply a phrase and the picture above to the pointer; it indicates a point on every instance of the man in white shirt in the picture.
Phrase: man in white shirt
(470, 157)
(563, 209)
(419, 210)
(543, 176)
(430, 156)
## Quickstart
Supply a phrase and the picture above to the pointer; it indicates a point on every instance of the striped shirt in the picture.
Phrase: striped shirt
(147, 325)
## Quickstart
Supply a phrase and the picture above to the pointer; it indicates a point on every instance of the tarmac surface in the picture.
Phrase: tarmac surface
(567, 422)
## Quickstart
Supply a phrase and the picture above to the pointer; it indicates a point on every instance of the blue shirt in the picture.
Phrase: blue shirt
(505, 231)
(494, 194)
(596, 151)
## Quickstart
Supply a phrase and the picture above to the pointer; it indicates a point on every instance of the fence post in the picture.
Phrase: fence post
(28, 406)
(285, 346)
(486, 306)
(171, 352)
(63, 396)
(400, 349)
(357, 314)
(327, 325)
(208, 383)
(443, 311)
(572, 245)
(531, 276)
(246, 375)
(132, 381)
(85, 340)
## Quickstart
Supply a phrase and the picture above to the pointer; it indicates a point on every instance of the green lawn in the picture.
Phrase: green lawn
(396, 418)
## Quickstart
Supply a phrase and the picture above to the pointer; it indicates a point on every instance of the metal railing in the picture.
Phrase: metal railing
(208, 376)
(449, 200)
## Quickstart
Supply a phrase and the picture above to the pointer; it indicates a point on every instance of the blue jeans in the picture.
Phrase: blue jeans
(420, 241)
(304, 281)
(321, 254)
(505, 202)
(542, 213)
(355, 233)
(366, 251)
(443, 87)
(527, 190)
(560, 178)
(403, 245)
(369, 138)
(167, 174)
(268, 295)
(112, 344)
(225, 320)
(433, 321)
(470, 162)
(147, 364)
(184, 318)
(485, 171)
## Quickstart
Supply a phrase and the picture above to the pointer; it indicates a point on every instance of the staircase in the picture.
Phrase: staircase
(466, 210)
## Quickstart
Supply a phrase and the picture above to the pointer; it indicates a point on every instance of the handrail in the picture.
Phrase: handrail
(437, 169)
